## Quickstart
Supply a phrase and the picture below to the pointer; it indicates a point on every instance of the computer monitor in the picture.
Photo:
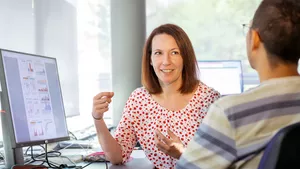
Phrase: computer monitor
(32, 99)
(224, 76)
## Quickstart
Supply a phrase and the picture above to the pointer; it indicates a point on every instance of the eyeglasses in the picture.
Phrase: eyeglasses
(246, 28)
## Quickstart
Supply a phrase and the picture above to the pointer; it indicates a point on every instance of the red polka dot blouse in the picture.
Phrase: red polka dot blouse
(142, 116)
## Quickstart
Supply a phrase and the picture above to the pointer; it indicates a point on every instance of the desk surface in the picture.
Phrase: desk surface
(139, 160)
(135, 163)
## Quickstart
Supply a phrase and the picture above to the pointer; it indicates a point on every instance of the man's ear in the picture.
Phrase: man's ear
(255, 40)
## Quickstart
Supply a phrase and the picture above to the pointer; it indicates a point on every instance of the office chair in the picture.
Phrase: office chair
(283, 151)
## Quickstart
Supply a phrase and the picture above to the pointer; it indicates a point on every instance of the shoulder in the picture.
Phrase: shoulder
(136, 102)
(245, 99)
(241, 108)
(209, 91)
(138, 95)
(265, 91)
(140, 92)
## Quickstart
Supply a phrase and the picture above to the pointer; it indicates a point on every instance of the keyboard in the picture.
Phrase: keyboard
(74, 144)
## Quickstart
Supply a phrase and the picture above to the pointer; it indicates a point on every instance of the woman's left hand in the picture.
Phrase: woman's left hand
(172, 147)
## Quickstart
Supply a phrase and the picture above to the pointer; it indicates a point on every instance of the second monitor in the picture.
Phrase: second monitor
(224, 76)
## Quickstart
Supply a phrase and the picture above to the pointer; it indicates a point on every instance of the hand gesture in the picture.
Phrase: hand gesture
(173, 146)
(100, 104)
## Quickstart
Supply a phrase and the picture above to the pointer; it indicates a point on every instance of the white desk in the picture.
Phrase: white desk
(139, 163)
(133, 164)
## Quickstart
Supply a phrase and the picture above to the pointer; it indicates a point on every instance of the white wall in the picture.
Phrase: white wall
(56, 36)
(17, 31)
(17, 25)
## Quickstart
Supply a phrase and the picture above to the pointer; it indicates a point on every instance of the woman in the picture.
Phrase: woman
(164, 114)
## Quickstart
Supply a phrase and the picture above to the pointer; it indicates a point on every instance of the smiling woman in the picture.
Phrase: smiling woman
(169, 46)
(164, 114)
(166, 60)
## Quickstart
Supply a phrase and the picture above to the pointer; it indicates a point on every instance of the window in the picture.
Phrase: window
(214, 27)
(94, 57)
(93, 17)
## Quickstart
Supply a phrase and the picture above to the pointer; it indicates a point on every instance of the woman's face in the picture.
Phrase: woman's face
(166, 59)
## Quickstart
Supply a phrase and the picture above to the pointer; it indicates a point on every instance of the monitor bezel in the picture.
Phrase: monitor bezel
(6, 104)
(238, 61)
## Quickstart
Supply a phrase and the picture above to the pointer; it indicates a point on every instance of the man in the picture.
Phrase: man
(241, 124)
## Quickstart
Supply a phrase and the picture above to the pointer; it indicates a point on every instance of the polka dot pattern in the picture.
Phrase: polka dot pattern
(142, 116)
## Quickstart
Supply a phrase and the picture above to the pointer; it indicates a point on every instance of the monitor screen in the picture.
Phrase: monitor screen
(31, 85)
(224, 76)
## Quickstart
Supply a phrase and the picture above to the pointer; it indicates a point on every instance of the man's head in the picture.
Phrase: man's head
(274, 35)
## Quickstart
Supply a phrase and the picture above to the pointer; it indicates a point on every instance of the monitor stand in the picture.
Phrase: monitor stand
(12, 156)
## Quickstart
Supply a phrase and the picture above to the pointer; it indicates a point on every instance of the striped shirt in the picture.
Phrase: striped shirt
(240, 124)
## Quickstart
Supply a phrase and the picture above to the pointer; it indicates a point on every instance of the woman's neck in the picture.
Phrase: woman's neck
(170, 90)
(172, 99)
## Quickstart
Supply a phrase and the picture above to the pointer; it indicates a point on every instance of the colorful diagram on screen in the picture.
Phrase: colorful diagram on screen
(32, 107)
(36, 129)
(39, 69)
(37, 99)
(29, 85)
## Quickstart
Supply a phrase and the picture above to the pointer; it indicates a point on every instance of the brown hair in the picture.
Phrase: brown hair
(189, 72)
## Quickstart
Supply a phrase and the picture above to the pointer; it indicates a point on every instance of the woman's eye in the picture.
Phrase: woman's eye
(157, 53)
(175, 53)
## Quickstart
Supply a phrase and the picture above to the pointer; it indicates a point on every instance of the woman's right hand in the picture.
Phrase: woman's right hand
(100, 104)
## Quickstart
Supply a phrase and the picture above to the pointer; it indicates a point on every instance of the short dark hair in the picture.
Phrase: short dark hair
(189, 72)
(278, 25)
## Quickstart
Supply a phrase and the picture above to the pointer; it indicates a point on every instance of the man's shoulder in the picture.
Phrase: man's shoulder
(232, 100)
(261, 94)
